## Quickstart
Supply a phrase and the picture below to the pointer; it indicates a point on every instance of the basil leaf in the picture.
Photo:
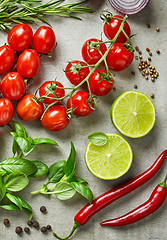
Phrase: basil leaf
(42, 169)
(83, 190)
(10, 207)
(18, 165)
(20, 130)
(45, 141)
(98, 138)
(64, 191)
(25, 144)
(26, 207)
(77, 179)
(16, 182)
(56, 171)
(2, 172)
(15, 200)
(2, 189)
(15, 145)
(73, 172)
(70, 161)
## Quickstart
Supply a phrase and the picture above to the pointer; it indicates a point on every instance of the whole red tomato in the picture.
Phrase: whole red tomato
(7, 57)
(98, 83)
(119, 57)
(6, 111)
(90, 54)
(13, 86)
(56, 86)
(28, 63)
(80, 104)
(112, 26)
(55, 118)
(28, 109)
(74, 74)
(44, 40)
(20, 37)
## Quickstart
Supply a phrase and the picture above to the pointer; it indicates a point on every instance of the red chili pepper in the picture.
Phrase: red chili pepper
(156, 199)
(112, 195)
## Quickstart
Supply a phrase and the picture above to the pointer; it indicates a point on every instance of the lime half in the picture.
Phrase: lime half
(133, 114)
(111, 160)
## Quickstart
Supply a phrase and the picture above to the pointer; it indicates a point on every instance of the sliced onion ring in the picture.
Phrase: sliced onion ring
(129, 7)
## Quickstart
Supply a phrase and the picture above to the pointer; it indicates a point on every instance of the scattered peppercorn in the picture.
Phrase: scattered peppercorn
(148, 26)
(26, 229)
(135, 86)
(48, 227)
(157, 29)
(18, 230)
(43, 229)
(43, 209)
(152, 95)
(158, 52)
(6, 222)
(30, 223)
(35, 224)
(137, 48)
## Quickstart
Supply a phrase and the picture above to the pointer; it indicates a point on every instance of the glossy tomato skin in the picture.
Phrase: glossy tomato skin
(7, 57)
(44, 40)
(74, 77)
(92, 56)
(97, 86)
(60, 92)
(79, 104)
(13, 86)
(119, 58)
(27, 109)
(20, 37)
(6, 111)
(28, 63)
(112, 26)
(55, 118)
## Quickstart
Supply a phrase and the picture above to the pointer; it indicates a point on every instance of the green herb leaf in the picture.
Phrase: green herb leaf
(25, 144)
(10, 207)
(83, 190)
(42, 169)
(15, 200)
(77, 179)
(2, 189)
(56, 171)
(20, 130)
(45, 141)
(26, 207)
(98, 138)
(70, 161)
(64, 191)
(18, 165)
(16, 182)
(15, 145)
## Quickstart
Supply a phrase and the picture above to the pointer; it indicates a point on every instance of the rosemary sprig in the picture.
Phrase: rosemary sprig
(34, 11)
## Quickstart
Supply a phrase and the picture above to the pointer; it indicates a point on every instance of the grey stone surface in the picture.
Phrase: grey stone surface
(70, 35)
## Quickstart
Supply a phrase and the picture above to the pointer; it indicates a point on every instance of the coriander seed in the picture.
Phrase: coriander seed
(157, 29)
(136, 57)
(146, 77)
(150, 53)
(152, 95)
(148, 26)
(149, 59)
(140, 52)
(158, 52)
(137, 48)
(135, 86)
(147, 49)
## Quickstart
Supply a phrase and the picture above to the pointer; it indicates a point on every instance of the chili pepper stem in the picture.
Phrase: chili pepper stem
(163, 184)
(76, 225)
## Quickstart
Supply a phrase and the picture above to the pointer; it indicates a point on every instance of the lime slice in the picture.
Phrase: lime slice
(111, 160)
(133, 114)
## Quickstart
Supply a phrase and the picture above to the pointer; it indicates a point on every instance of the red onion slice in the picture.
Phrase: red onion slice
(129, 6)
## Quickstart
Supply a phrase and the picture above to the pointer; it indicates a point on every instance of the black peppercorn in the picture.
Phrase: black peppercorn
(29, 223)
(6, 222)
(26, 229)
(48, 227)
(43, 229)
(18, 230)
(35, 224)
(43, 209)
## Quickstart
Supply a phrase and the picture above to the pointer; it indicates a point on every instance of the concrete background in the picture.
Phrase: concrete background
(71, 34)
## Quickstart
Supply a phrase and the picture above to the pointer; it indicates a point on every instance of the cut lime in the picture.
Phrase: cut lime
(133, 114)
(111, 160)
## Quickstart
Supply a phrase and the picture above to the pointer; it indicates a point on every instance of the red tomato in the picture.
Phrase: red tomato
(44, 40)
(92, 55)
(98, 85)
(6, 111)
(7, 57)
(13, 86)
(20, 37)
(73, 76)
(79, 103)
(55, 118)
(28, 109)
(56, 86)
(28, 63)
(112, 26)
(119, 58)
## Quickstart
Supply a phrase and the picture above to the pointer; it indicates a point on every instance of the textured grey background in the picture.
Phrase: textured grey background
(70, 35)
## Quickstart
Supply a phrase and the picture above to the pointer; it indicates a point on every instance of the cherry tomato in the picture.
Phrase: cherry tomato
(44, 40)
(13, 86)
(79, 104)
(56, 86)
(20, 37)
(98, 85)
(112, 26)
(90, 54)
(7, 57)
(28, 109)
(55, 118)
(6, 111)
(28, 63)
(119, 57)
(73, 76)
